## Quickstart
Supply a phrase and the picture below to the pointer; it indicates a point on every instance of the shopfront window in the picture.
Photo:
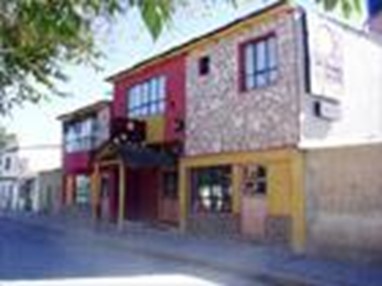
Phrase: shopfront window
(211, 189)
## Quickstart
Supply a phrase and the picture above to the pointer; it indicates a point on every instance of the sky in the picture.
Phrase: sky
(124, 43)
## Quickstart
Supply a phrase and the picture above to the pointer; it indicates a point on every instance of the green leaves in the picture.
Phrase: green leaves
(38, 36)
(347, 7)
(155, 14)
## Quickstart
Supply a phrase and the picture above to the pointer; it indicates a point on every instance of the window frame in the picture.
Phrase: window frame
(204, 65)
(214, 177)
(146, 105)
(8, 163)
(271, 66)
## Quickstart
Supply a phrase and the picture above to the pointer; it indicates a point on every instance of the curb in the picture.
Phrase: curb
(262, 275)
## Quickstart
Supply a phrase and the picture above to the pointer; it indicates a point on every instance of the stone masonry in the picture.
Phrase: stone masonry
(220, 117)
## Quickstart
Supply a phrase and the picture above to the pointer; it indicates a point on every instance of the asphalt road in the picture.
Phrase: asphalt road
(48, 257)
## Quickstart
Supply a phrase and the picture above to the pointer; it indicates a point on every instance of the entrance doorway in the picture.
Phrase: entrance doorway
(142, 194)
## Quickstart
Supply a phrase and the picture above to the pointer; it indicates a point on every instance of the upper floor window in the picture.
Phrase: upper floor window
(147, 98)
(81, 135)
(8, 163)
(259, 62)
(204, 65)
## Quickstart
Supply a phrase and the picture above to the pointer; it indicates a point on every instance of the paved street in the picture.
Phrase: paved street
(34, 253)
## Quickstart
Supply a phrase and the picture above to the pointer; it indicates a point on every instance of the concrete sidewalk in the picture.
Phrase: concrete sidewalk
(269, 263)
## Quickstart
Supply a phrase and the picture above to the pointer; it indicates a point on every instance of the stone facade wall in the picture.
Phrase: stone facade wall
(344, 201)
(214, 225)
(220, 117)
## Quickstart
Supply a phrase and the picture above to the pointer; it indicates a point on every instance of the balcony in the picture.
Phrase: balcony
(131, 130)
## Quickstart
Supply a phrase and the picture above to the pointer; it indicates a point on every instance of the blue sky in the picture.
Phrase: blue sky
(124, 43)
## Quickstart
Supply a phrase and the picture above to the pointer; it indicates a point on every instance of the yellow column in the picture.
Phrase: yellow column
(95, 190)
(183, 196)
(70, 190)
(122, 194)
(298, 204)
(236, 188)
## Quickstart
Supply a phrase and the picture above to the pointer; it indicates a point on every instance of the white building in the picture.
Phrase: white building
(12, 168)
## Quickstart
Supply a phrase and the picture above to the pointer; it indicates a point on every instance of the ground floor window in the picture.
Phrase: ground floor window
(82, 189)
(211, 189)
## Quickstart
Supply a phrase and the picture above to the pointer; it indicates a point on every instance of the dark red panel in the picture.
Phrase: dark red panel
(78, 162)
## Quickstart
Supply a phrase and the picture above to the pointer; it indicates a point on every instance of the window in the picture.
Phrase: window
(81, 135)
(8, 163)
(255, 180)
(147, 98)
(204, 65)
(82, 189)
(170, 184)
(211, 189)
(259, 63)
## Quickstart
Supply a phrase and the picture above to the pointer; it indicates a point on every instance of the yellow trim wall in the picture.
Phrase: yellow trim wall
(155, 128)
(285, 195)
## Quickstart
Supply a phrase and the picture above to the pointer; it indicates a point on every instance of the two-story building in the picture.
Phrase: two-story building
(268, 128)
(84, 130)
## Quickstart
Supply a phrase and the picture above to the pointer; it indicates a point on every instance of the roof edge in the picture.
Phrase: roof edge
(184, 46)
(84, 109)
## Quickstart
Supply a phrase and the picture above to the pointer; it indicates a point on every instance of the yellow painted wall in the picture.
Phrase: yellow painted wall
(95, 189)
(285, 195)
(279, 195)
(155, 128)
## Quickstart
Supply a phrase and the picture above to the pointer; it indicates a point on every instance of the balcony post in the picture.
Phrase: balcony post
(96, 191)
(122, 194)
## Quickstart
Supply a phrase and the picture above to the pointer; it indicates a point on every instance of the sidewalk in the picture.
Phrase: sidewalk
(268, 263)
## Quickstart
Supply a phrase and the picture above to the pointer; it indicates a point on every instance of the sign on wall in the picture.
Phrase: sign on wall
(326, 57)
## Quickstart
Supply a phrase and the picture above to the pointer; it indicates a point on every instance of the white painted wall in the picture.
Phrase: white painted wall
(11, 170)
(361, 101)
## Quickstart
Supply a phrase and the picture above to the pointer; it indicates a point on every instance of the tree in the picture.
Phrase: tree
(347, 6)
(38, 36)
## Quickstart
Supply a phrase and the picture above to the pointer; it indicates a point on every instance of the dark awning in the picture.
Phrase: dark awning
(140, 156)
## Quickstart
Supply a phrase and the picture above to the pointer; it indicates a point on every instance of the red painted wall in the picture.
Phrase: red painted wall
(174, 69)
(78, 162)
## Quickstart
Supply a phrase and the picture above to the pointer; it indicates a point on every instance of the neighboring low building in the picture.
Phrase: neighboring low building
(28, 194)
(49, 191)
(12, 168)
(84, 131)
